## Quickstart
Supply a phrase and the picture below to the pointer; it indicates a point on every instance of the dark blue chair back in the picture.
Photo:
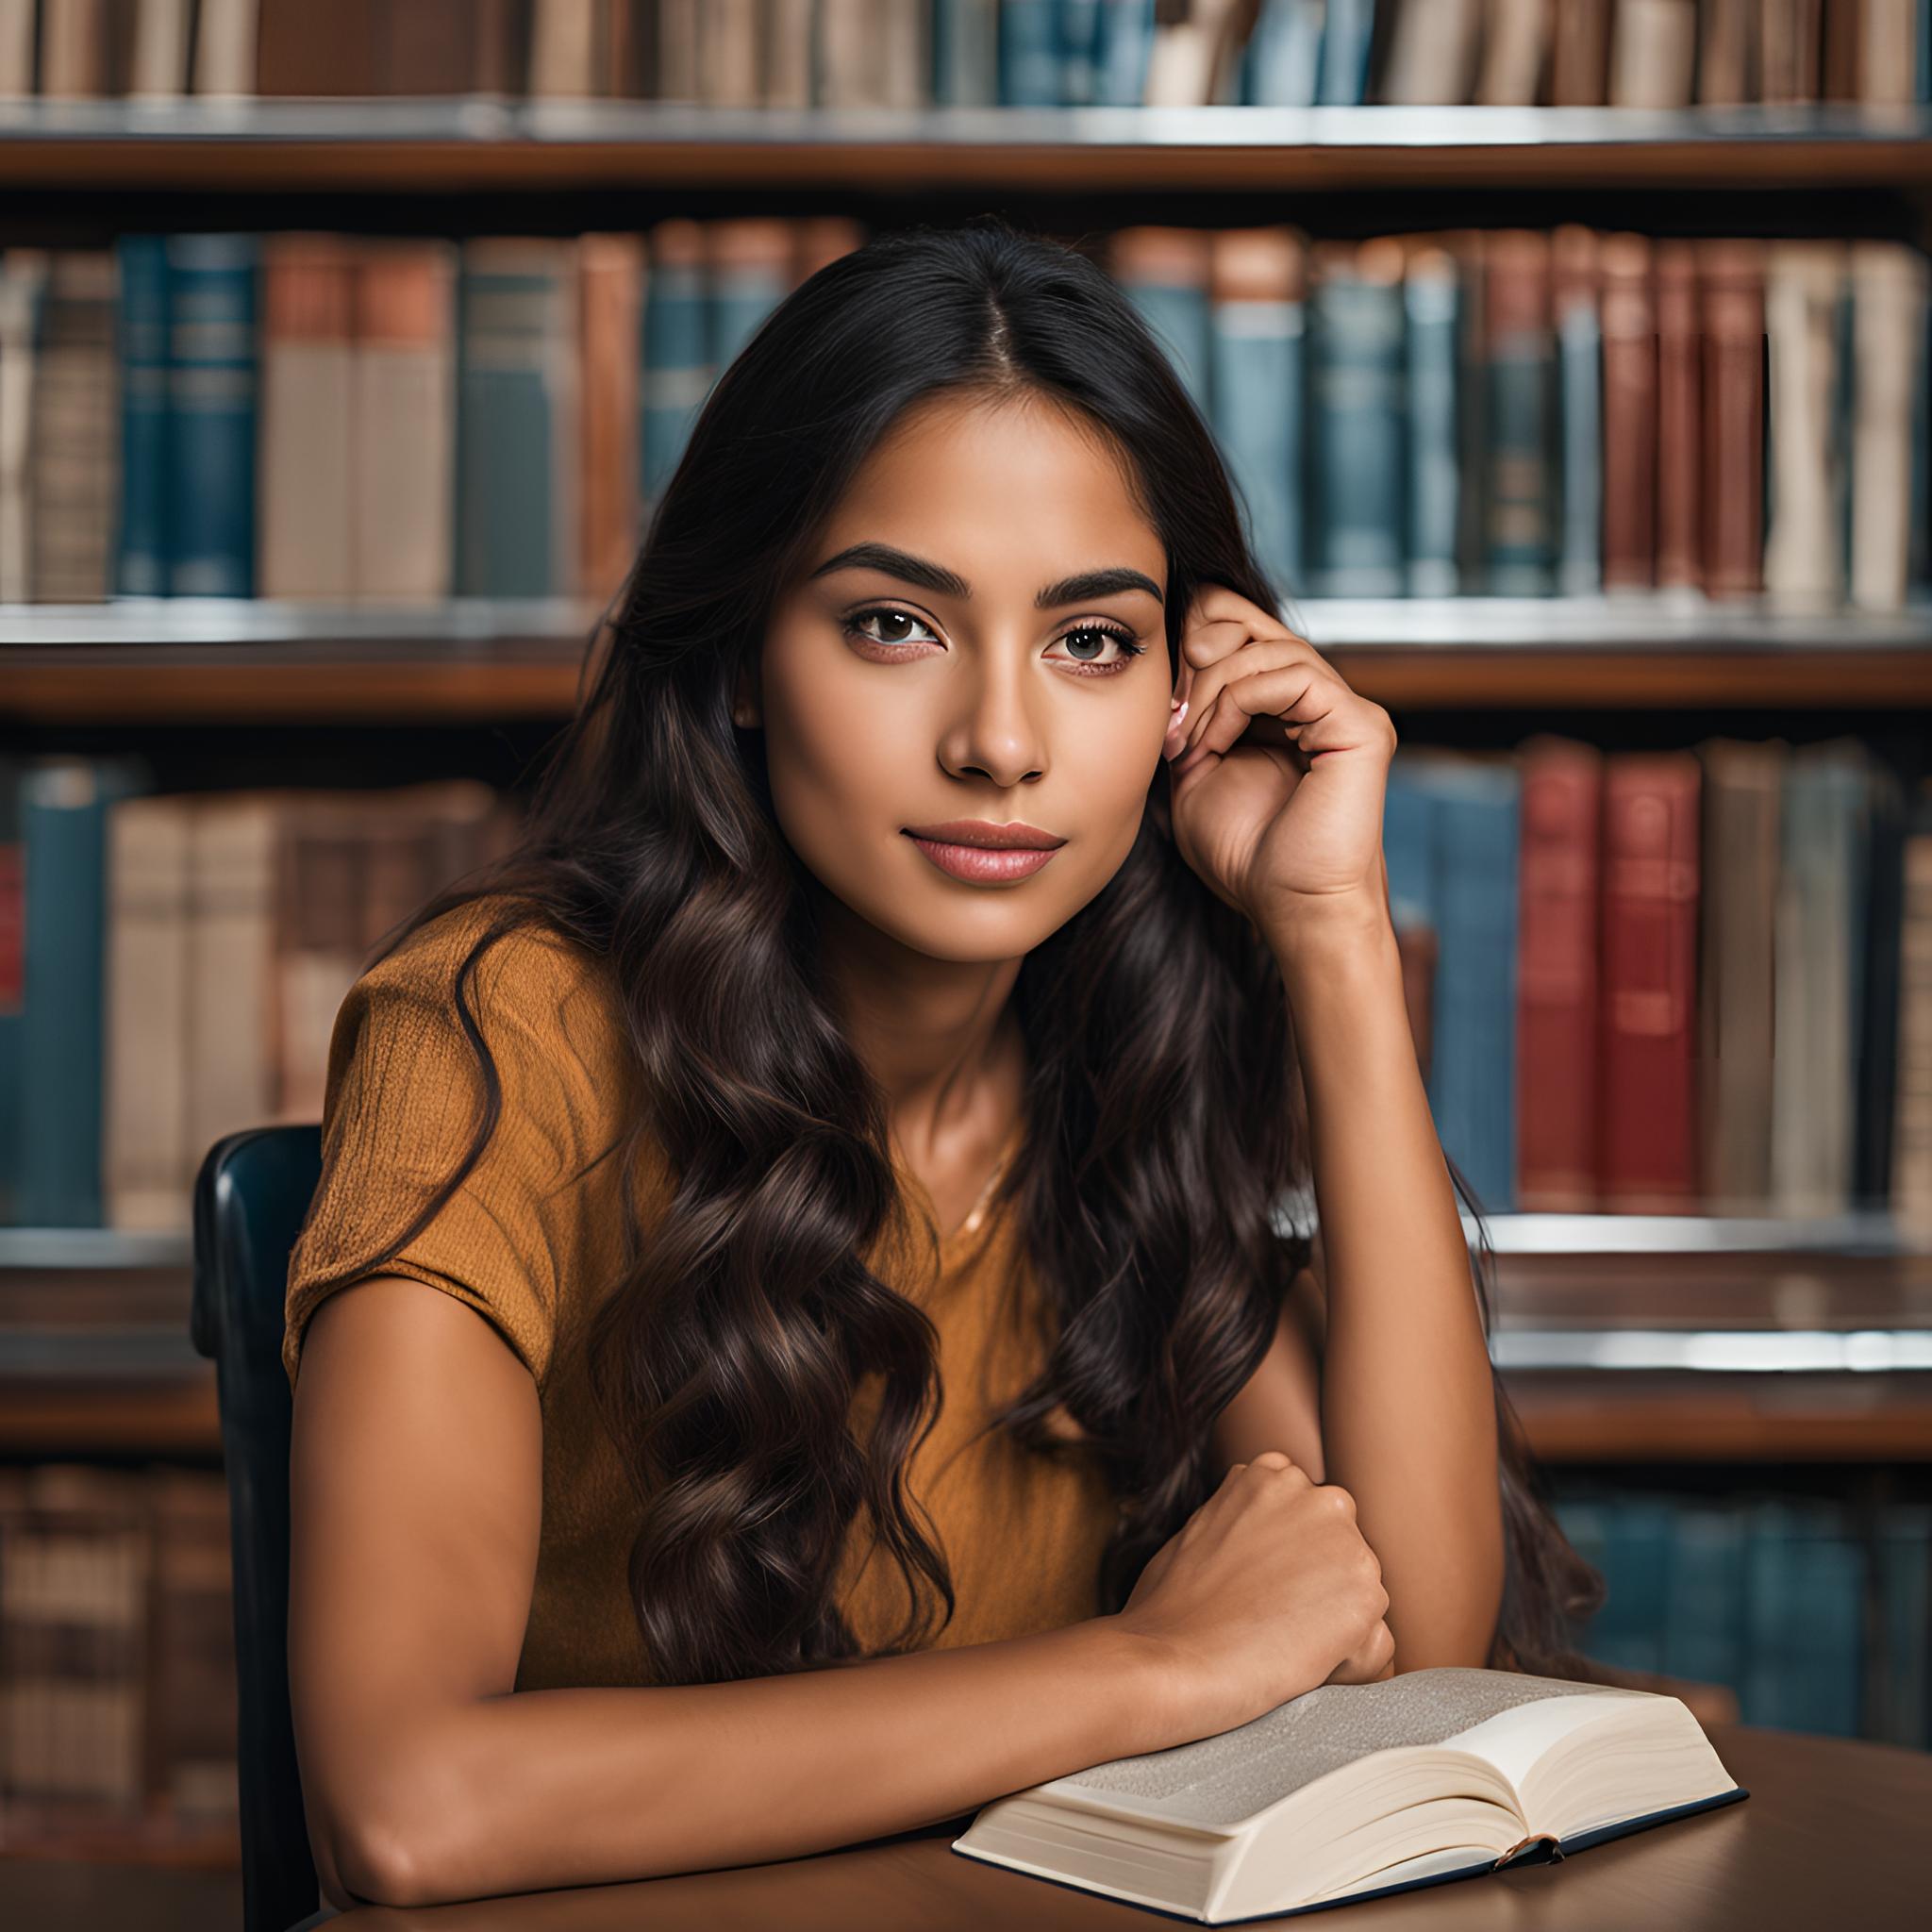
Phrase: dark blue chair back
(250, 1198)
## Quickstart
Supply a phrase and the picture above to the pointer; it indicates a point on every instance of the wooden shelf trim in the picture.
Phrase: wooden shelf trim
(479, 143)
(138, 659)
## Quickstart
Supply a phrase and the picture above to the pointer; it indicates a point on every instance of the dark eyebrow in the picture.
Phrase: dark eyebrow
(937, 577)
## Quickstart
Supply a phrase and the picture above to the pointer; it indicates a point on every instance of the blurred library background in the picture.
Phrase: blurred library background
(1573, 358)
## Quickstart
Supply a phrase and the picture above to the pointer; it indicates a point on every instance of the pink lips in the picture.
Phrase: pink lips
(982, 852)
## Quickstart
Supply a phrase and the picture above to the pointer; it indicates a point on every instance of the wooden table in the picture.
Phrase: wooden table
(1832, 1834)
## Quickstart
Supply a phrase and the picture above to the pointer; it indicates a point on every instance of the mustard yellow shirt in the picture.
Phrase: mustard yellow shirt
(532, 1249)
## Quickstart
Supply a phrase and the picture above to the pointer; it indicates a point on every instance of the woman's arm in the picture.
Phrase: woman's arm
(416, 1494)
(1408, 1410)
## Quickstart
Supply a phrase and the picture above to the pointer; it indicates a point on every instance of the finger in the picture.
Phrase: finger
(1274, 1459)
(1206, 685)
(1213, 601)
(1296, 697)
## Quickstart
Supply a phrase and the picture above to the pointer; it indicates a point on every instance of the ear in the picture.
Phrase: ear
(744, 707)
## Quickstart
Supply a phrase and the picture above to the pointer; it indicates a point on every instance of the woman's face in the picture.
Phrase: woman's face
(953, 666)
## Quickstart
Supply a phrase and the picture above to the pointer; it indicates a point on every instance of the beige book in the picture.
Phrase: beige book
(235, 851)
(1432, 56)
(16, 49)
(73, 474)
(1803, 567)
(852, 51)
(1351, 1790)
(730, 67)
(74, 49)
(1888, 51)
(158, 65)
(403, 408)
(306, 435)
(1516, 52)
(1652, 53)
(224, 47)
(148, 1166)
(563, 43)
(906, 57)
(788, 52)
(1192, 60)
(1888, 284)
(678, 50)
(23, 286)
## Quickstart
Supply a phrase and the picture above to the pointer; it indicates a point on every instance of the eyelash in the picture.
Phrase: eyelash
(1124, 639)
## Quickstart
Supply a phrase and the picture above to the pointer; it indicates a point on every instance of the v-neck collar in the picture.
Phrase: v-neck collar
(949, 1244)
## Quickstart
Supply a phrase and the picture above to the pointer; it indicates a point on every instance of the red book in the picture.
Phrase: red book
(1646, 1065)
(1556, 976)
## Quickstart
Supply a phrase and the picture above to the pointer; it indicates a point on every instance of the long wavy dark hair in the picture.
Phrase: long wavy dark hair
(1163, 1135)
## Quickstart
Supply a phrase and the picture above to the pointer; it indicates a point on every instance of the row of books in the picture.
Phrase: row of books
(334, 417)
(983, 53)
(117, 1649)
(1671, 981)
(1639, 981)
(172, 963)
(1769, 1595)
(339, 417)
(1524, 412)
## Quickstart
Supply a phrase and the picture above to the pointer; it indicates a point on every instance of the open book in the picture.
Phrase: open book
(1354, 1790)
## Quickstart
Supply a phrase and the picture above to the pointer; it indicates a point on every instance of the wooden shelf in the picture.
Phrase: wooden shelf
(485, 143)
(231, 661)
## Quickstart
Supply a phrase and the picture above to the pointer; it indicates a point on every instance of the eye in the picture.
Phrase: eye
(1107, 634)
(854, 625)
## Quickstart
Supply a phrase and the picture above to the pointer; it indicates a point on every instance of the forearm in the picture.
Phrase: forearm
(1408, 1406)
(582, 1787)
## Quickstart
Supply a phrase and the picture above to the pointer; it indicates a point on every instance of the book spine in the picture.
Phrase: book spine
(212, 414)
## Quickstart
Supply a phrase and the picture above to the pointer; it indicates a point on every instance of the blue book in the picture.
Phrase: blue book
(1029, 54)
(1408, 845)
(1281, 64)
(1357, 435)
(1472, 1084)
(1580, 440)
(1127, 47)
(1629, 1630)
(63, 808)
(675, 372)
(213, 378)
(1703, 1611)
(740, 294)
(1081, 51)
(1904, 1589)
(141, 350)
(966, 53)
(515, 363)
(1432, 300)
(1350, 29)
(1177, 313)
(1825, 1648)
(1255, 384)
(1764, 1695)
(12, 983)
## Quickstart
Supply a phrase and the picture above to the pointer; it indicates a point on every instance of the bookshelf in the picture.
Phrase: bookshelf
(1630, 1342)
(137, 661)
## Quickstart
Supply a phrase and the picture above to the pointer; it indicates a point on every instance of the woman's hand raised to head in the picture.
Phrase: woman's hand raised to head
(1266, 1590)
(1277, 769)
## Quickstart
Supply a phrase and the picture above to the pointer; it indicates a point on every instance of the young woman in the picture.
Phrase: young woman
(849, 1140)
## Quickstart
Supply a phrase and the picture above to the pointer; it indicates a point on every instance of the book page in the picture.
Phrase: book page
(1222, 1780)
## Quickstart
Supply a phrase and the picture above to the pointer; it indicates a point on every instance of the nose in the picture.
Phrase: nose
(995, 733)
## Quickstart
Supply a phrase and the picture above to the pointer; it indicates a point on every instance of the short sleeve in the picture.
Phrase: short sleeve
(529, 1225)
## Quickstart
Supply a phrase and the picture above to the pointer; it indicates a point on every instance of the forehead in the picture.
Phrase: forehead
(1011, 493)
